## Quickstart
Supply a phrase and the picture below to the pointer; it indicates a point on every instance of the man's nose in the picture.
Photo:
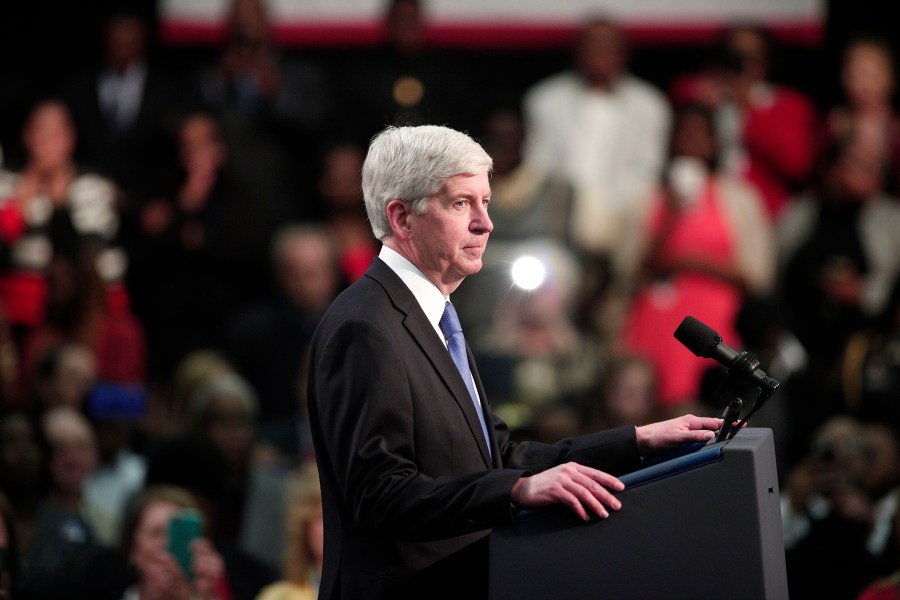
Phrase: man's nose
(481, 221)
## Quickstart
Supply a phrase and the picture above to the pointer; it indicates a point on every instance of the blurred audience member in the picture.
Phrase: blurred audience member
(302, 560)
(70, 554)
(838, 509)
(405, 81)
(195, 463)
(870, 367)
(62, 376)
(537, 356)
(197, 252)
(22, 478)
(600, 128)
(78, 313)
(761, 324)
(193, 371)
(114, 410)
(839, 250)
(224, 410)
(699, 246)
(268, 343)
(9, 550)
(867, 110)
(50, 208)
(145, 544)
(767, 131)
(124, 104)
(272, 106)
(340, 192)
(628, 395)
(531, 213)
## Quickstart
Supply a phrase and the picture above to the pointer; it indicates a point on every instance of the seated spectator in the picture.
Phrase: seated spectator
(700, 245)
(67, 556)
(114, 410)
(51, 208)
(224, 409)
(22, 477)
(195, 463)
(144, 543)
(62, 376)
(767, 131)
(303, 555)
(267, 344)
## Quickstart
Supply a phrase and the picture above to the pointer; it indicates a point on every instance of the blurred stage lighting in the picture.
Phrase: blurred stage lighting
(528, 273)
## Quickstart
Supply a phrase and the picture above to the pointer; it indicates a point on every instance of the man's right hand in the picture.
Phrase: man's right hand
(576, 486)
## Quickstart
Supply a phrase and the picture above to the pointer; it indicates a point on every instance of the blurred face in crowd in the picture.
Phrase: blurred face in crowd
(231, 427)
(750, 48)
(200, 144)
(73, 449)
(405, 25)
(20, 455)
(49, 137)
(694, 136)
(307, 271)
(859, 173)
(600, 54)
(503, 141)
(151, 533)
(631, 395)
(341, 182)
(867, 75)
(125, 42)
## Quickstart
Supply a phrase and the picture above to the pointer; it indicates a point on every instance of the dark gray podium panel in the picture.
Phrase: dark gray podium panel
(713, 531)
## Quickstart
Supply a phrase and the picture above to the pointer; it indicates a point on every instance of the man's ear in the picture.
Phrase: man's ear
(398, 213)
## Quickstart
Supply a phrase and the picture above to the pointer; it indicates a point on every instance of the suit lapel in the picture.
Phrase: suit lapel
(424, 335)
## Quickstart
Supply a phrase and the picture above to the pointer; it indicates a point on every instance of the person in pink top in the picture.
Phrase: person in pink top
(702, 243)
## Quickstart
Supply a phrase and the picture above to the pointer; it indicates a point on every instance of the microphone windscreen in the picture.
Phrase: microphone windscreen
(697, 337)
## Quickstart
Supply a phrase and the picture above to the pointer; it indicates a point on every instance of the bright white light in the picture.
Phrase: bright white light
(528, 273)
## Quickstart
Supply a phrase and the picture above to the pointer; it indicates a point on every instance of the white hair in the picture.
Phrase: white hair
(411, 164)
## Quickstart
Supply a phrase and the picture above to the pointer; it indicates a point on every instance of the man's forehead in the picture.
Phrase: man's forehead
(466, 182)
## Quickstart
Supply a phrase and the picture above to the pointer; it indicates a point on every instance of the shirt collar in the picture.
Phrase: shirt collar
(426, 293)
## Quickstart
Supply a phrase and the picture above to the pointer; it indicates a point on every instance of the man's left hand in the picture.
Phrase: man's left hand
(666, 435)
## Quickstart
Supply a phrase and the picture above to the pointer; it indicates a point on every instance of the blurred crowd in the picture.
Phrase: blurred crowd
(170, 233)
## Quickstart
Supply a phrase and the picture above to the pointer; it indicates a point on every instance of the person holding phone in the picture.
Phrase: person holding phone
(156, 533)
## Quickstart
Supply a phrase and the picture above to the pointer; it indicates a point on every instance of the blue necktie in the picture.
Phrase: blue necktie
(456, 343)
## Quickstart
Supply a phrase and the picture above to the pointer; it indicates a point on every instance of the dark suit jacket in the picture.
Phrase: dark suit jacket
(407, 481)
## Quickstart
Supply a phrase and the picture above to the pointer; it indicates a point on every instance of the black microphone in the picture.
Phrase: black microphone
(704, 342)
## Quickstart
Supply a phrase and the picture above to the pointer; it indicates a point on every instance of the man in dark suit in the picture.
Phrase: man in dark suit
(415, 468)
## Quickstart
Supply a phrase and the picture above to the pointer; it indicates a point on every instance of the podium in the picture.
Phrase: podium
(706, 524)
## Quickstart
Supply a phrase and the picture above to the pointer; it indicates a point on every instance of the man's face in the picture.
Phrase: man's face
(449, 238)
